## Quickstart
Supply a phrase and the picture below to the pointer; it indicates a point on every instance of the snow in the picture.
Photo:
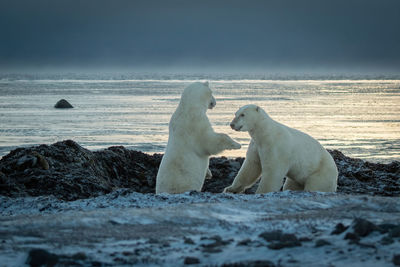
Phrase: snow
(125, 228)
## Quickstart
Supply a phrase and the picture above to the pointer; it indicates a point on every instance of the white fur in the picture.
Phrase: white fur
(276, 151)
(191, 142)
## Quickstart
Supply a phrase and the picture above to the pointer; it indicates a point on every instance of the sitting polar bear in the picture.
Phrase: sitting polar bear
(191, 141)
(276, 151)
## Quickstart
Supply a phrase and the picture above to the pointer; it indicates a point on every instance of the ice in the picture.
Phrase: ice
(147, 229)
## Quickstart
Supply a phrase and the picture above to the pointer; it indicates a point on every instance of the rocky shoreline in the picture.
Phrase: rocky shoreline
(69, 172)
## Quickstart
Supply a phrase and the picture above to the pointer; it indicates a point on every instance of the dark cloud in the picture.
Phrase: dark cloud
(254, 34)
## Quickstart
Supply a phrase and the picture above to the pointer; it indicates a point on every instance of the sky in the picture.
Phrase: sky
(360, 35)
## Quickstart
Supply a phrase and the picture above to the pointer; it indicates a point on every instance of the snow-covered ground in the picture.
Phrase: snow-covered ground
(126, 228)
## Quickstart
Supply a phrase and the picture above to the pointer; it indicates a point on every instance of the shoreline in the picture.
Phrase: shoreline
(373, 160)
(69, 172)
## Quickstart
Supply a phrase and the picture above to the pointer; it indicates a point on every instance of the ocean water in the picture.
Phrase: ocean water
(360, 117)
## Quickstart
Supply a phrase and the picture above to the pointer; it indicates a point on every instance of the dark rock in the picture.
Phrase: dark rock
(113, 222)
(288, 238)
(322, 242)
(284, 244)
(271, 236)
(279, 240)
(395, 232)
(191, 260)
(362, 177)
(76, 172)
(79, 256)
(339, 228)
(386, 240)
(40, 257)
(223, 171)
(396, 259)
(211, 250)
(62, 103)
(352, 237)
(244, 242)
(188, 241)
(153, 240)
(363, 227)
(255, 263)
(120, 260)
(26, 161)
(386, 227)
(366, 245)
(218, 242)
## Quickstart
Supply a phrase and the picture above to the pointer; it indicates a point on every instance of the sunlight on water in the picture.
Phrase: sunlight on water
(359, 117)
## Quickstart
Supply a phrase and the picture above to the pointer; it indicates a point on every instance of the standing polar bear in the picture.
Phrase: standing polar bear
(191, 141)
(276, 151)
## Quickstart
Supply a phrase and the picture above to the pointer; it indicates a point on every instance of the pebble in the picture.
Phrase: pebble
(191, 260)
(250, 263)
(396, 259)
(41, 257)
(322, 242)
(339, 228)
(363, 227)
(279, 240)
(352, 237)
(271, 236)
(395, 232)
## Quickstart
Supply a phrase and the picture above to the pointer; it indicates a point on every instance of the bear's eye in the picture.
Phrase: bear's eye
(242, 115)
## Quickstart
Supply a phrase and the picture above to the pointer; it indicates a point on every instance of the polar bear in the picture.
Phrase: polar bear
(191, 141)
(276, 151)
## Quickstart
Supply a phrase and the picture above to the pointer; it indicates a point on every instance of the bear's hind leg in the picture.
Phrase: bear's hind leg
(325, 178)
(322, 181)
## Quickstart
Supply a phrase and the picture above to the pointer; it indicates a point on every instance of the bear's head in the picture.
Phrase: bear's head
(246, 118)
(198, 95)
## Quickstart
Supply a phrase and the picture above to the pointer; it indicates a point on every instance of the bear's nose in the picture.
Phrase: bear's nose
(232, 125)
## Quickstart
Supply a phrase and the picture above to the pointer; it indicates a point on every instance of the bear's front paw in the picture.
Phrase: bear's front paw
(232, 189)
(237, 146)
(234, 145)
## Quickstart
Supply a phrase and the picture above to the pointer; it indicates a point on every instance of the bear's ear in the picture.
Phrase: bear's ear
(206, 83)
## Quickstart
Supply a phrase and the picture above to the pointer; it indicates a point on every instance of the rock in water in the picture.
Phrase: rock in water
(63, 104)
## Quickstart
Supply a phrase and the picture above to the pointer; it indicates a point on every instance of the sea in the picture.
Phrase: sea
(356, 114)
